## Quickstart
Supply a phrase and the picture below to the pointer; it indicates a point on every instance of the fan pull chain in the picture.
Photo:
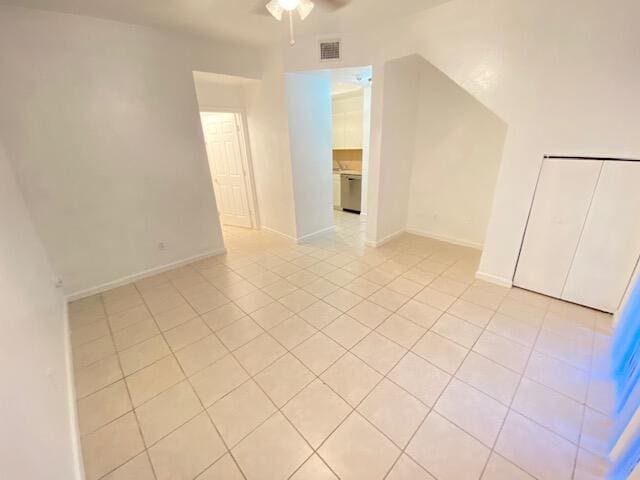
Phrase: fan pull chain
(292, 40)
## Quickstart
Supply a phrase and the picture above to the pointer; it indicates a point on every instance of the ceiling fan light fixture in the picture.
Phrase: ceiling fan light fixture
(277, 9)
(289, 5)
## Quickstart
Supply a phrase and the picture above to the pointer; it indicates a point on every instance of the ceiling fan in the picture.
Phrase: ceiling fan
(278, 8)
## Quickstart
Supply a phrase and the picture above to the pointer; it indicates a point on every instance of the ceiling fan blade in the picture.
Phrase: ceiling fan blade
(304, 8)
(268, 8)
(332, 5)
(260, 8)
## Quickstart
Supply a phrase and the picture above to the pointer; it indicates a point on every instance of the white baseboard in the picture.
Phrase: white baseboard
(382, 241)
(139, 276)
(500, 281)
(277, 232)
(298, 239)
(444, 238)
(314, 234)
(74, 427)
(424, 233)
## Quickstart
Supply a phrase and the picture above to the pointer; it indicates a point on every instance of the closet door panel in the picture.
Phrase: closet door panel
(560, 206)
(610, 244)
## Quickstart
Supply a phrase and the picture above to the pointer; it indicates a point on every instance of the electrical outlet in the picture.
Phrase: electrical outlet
(162, 246)
(59, 283)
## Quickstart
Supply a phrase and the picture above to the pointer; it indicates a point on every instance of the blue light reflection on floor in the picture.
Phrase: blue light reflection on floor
(626, 374)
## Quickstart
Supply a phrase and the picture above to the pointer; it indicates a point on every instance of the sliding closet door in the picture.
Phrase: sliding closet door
(560, 206)
(610, 244)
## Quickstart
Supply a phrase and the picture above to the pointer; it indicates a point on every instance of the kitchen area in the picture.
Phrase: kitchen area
(350, 142)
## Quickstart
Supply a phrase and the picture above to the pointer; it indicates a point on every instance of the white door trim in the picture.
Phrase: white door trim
(247, 162)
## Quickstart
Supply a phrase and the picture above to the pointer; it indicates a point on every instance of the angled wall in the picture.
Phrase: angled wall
(562, 75)
(440, 152)
(458, 150)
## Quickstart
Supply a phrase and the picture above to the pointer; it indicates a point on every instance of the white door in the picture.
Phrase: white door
(610, 243)
(222, 137)
(560, 206)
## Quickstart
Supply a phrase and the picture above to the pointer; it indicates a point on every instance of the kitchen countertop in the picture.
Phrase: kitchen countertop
(348, 172)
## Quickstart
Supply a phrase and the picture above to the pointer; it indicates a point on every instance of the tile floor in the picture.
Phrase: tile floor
(333, 360)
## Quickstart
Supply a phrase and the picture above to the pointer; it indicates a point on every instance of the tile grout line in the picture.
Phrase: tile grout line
(290, 351)
(187, 378)
(509, 407)
(234, 357)
(452, 376)
(133, 410)
(584, 410)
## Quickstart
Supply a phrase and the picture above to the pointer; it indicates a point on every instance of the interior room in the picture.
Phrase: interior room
(319, 239)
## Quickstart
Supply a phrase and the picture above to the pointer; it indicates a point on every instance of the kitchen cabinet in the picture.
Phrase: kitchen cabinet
(336, 190)
(348, 121)
(582, 240)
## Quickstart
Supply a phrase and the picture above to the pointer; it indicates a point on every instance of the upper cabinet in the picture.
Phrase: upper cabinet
(348, 120)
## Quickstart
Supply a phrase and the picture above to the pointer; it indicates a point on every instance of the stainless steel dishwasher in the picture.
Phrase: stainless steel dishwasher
(350, 192)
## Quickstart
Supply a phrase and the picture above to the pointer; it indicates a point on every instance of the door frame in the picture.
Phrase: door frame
(245, 154)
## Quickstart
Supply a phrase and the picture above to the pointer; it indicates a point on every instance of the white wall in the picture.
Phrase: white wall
(562, 75)
(212, 95)
(269, 139)
(311, 146)
(366, 139)
(35, 398)
(399, 116)
(440, 151)
(458, 150)
(100, 120)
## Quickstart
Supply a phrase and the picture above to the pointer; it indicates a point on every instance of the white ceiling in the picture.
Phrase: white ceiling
(232, 19)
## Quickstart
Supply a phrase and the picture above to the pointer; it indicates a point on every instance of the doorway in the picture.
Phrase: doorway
(351, 107)
(231, 174)
(351, 124)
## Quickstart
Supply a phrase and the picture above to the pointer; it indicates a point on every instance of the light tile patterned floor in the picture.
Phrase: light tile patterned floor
(332, 360)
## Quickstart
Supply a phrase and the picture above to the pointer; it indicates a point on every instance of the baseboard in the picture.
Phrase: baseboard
(139, 276)
(444, 238)
(298, 239)
(500, 281)
(382, 241)
(74, 426)
(277, 232)
(314, 234)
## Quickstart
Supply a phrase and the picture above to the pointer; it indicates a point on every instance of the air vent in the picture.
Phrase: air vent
(329, 50)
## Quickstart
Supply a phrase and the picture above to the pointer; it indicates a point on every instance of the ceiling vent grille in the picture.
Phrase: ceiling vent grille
(329, 50)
